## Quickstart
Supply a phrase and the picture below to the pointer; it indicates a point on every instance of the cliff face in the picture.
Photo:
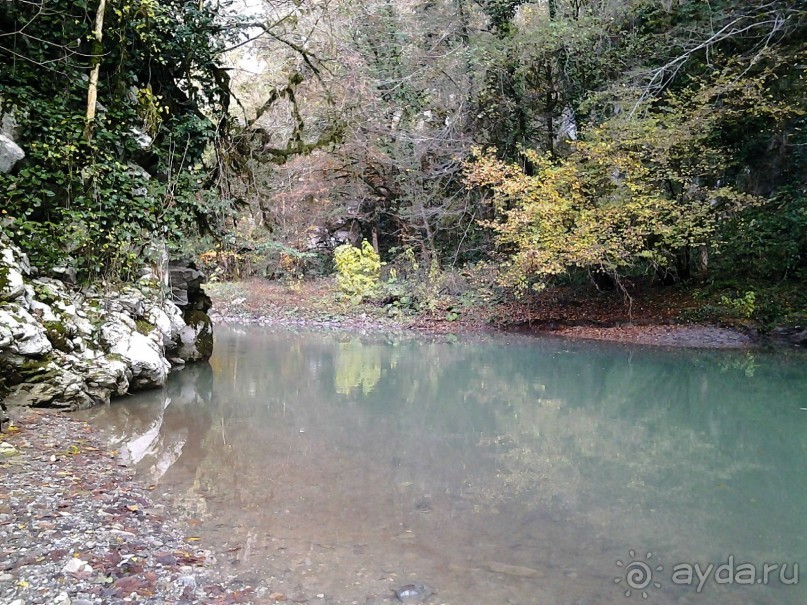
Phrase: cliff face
(61, 347)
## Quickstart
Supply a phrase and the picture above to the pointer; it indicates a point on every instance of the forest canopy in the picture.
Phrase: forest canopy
(557, 139)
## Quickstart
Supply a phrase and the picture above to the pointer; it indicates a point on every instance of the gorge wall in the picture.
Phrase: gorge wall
(71, 348)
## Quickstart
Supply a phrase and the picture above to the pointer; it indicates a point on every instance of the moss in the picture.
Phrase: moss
(29, 370)
(144, 327)
(46, 293)
(58, 335)
(3, 277)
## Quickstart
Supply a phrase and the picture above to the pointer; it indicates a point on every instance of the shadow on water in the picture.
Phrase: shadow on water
(499, 469)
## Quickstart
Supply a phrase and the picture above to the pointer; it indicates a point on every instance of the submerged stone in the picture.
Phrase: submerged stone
(413, 593)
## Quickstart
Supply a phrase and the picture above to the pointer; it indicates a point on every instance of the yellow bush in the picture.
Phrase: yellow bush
(358, 269)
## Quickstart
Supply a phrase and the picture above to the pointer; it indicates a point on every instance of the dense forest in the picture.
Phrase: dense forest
(521, 145)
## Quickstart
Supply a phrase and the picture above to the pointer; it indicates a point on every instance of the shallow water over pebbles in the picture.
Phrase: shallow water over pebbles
(339, 466)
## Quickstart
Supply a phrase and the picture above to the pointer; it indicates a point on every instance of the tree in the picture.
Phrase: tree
(152, 103)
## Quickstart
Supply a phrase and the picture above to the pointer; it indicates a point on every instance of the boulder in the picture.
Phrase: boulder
(169, 321)
(116, 333)
(63, 389)
(106, 376)
(143, 352)
(65, 348)
(10, 154)
(196, 339)
(186, 282)
(148, 365)
(20, 333)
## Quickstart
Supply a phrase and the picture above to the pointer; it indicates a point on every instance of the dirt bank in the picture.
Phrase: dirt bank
(649, 320)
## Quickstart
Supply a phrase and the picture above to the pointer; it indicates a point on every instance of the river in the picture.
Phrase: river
(497, 469)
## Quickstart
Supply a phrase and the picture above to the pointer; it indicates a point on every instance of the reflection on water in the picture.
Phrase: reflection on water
(499, 470)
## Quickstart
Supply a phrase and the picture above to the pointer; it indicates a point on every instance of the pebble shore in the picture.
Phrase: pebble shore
(77, 529)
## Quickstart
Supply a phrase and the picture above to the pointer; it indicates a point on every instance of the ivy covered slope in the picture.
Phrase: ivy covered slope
(101, 181)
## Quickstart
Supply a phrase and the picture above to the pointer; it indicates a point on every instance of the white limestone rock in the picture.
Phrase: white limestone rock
(21, 333)
(10, 154)
(12, 285)
(148, 365)
(116, 333)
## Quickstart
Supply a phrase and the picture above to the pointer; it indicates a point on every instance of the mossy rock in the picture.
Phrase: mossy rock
(145, 327)
(200, 322)
(46, 293)
(58, 336)
(3, 277)
(17, 369)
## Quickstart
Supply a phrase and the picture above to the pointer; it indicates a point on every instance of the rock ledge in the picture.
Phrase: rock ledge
(65, 348)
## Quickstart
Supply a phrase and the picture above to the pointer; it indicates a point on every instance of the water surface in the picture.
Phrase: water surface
(496, 469)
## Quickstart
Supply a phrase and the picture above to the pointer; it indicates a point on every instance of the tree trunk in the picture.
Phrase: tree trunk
(375, 237)
(550, 91)
(703, 261)
(97, 51)
(550, 107)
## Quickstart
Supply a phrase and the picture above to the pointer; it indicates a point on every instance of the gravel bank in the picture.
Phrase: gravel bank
(686, 336)
(76, 528)
(655, 322)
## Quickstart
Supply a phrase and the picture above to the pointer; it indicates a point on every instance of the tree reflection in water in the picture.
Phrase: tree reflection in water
(499, 469)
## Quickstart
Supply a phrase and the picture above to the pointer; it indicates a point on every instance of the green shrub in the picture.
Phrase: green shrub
(742, 306)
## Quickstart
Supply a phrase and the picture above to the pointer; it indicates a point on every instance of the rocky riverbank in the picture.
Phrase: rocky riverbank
(77, 529)
(71, 348)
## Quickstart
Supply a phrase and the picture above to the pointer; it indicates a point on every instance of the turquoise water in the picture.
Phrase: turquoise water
(496, 469)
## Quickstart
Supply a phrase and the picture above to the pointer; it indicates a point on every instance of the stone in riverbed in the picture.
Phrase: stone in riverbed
(518, 571)
(20, 333)
(62, 599)
(413, 593)
(76, 565)
(7, 450)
